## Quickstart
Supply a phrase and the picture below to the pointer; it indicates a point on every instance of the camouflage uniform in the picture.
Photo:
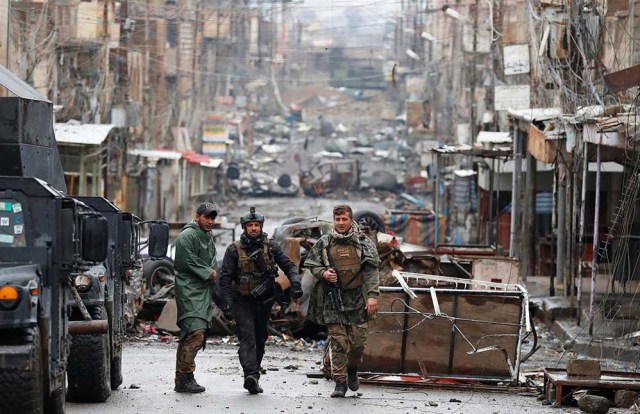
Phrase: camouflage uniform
(348, 330)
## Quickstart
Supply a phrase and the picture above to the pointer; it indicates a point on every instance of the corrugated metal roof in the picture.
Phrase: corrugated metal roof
(157, 154)
(82, 134)
(494, 137)
(535, 114)
(19, 87)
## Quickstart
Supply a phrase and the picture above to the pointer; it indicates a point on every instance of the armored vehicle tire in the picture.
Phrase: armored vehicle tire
(157, 274)
(370, 219)
(89, 369)
(22, 391)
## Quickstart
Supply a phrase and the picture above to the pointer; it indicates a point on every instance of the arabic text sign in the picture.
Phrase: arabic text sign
(516, 59)
(512, 97)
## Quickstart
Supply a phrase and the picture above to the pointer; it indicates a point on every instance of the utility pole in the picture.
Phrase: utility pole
(5, 11)
(472, 89)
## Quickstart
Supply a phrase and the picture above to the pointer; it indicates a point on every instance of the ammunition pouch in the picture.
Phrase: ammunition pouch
(351, 282)
(247, 283)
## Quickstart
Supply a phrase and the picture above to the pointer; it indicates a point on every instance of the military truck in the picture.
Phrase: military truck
(47, 240)
(95, 361)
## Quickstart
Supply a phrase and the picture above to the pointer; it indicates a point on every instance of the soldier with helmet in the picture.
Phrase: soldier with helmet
(247, 291)
(344, 264)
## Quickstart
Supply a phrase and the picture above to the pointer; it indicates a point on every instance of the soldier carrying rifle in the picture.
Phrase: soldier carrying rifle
(247, 291)
(345, 295)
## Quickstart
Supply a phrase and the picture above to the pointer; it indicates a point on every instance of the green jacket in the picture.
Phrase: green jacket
(195, 260)
(320, 308)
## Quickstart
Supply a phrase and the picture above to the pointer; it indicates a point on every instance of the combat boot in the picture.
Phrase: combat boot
(251, 384)
(340, 390)
(352, 378)
(187, 383)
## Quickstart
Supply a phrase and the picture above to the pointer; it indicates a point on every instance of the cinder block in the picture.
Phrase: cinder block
(583, 368)
(625, 398)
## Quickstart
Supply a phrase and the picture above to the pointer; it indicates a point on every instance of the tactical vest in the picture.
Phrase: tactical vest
(347, 260)
(246, 279)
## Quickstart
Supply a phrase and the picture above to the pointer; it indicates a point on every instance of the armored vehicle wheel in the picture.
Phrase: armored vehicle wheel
(89, 370)
(21, 391)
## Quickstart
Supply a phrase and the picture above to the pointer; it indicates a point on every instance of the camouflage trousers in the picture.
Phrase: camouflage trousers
(187, 350)
(347, 344)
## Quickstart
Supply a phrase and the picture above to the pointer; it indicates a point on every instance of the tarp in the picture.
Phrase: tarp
(414, 227)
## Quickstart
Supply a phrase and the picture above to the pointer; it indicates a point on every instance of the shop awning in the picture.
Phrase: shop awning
(82, 134)
(156, 154)
(212, 163)
(535, 114)
(492, 137)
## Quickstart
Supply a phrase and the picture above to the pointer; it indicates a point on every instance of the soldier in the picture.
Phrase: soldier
(247, 292)
(195, 265)
(344, 264)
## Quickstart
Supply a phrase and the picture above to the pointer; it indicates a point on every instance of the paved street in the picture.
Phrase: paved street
(150, 367)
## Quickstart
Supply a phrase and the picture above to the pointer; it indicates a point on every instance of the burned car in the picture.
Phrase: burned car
(329, 176)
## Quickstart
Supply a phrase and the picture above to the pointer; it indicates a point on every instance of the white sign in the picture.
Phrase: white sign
(516, 59)
(17, 229)
(4, 221)
(512, 97)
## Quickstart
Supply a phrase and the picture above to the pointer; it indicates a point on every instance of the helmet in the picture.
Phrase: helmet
(252, 216)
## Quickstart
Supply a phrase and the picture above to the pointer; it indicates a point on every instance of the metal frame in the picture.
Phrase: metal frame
(434, 284)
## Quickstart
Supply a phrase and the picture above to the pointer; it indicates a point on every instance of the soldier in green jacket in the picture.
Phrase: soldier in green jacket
(348, 259)
(195, 265)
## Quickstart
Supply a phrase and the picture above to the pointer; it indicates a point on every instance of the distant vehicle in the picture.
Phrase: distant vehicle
(329, 176)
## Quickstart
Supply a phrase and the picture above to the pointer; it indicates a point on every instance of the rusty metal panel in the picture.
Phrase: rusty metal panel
(540, 149)
(462, 332)
(623, 79)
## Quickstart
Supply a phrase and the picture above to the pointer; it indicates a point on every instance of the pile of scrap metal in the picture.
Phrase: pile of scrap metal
(150, 287)
(256, 178)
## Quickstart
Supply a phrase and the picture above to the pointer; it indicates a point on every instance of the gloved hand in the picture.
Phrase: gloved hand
(296, 290)
(228, 315)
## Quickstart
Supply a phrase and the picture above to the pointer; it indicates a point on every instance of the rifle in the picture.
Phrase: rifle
(334, 290)
(268, 290)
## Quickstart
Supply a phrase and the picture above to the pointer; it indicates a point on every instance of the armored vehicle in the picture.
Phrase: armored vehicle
(47, 241)
(95, 361)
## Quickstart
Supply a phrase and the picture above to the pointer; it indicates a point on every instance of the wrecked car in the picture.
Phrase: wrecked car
(329, 176)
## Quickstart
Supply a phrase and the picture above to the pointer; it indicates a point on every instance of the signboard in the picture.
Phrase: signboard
(512, 97)
(415, 84)
(516, 59)
(214, 135)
